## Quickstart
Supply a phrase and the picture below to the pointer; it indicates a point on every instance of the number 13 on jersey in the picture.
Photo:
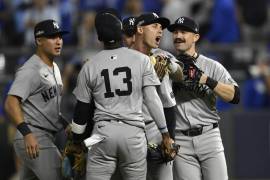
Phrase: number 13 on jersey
(126, 81)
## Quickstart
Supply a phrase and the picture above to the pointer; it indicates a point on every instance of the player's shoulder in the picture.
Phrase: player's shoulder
(136, 53)
(30, 65)
(210, 62)
(206, 59)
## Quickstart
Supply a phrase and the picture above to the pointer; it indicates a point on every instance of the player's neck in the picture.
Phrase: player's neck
(45, 58)
(142, 48)
(192, 52)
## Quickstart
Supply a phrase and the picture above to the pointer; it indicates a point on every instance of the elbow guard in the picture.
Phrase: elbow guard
(236, 97)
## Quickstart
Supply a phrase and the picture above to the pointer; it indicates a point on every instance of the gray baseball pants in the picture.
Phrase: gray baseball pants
(124, 146)
(46, 166)
(200, 157)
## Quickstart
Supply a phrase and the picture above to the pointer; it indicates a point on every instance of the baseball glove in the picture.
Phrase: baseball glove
(156, 153)
(192, 74)
(74, 160)
(161, 64)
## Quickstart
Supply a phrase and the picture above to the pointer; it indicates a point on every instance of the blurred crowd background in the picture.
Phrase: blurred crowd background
(233, 32)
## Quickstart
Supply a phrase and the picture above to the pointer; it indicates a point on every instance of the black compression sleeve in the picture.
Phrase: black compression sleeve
(236, 97)
(83, 114)
(170, 120)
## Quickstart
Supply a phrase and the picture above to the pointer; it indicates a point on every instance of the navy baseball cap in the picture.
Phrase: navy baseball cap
(186, 24)
(48, 28)
(129, 27)
(151, 18)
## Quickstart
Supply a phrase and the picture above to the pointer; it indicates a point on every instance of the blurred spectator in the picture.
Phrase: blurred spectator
(224, 27)
(40, 11)
(256, 89)
(201, 10)
(254, 20)
(19, 8)
(86, 34)
(68, 15)
(152, 6)
(3, 14)
(86, 5)
(7, 165)
(70, 74)
(132, 8)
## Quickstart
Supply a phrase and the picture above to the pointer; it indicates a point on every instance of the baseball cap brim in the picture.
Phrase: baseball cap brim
(173, 27)
(163, 21)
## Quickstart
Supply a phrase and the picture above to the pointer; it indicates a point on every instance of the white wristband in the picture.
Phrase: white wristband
(77, 128)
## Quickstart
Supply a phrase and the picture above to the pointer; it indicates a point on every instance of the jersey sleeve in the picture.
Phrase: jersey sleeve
(165, 92)
(150, 77)
(26, 82)
(222, 75)
(82, 90)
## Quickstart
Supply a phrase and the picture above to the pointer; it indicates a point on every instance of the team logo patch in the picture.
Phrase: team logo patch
(131, 21)
(156, 16)
(113, 57)
(180, 20)
(55, 25)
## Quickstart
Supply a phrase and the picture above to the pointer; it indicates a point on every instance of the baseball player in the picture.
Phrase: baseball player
(201, 155)
(117, 79)
(148, 35)
(33, 105)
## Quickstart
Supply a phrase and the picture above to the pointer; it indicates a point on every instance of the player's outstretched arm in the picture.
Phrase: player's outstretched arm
(155, 108)
(227, 92)
(14, 111)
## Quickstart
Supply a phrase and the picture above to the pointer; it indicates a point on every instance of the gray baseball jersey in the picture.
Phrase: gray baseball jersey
(120, 75)
(159, 171)
(114, 79)
(202, 156)
(200, 108)
(165, 91)
(39, 87)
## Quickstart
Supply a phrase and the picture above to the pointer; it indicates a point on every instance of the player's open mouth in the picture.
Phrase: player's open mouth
(158, 39)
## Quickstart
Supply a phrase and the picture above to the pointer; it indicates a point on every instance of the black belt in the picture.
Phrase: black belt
(148, 122)
(112, 120)
(198, 131)
(44, 129)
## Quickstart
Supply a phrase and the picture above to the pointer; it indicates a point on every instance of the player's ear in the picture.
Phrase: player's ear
(196, 37)
(140, 29)
(38, 41)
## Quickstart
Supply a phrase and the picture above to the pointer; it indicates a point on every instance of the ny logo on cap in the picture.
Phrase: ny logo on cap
(180, 20)
(55, 25)
(156, 16)
(131, 21)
